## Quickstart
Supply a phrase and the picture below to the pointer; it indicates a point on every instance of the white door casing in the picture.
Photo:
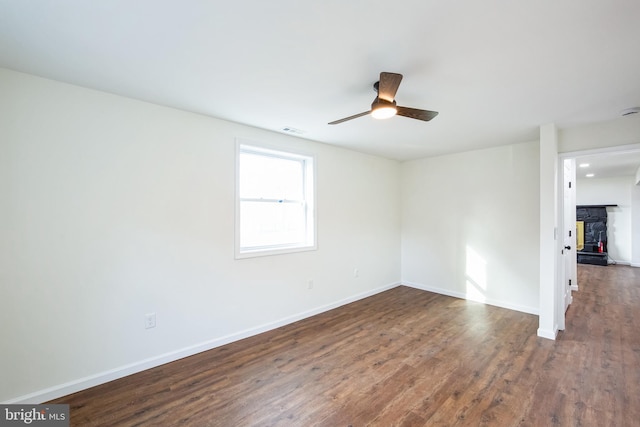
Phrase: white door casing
(567, 270)
(569, 230)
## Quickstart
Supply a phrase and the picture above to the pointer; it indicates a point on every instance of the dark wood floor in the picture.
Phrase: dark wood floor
(403, 358)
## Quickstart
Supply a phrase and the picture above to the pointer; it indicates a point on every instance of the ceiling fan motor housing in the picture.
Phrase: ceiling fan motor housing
(382, 103)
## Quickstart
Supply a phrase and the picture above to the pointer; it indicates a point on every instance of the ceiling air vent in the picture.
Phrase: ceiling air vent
(294, 131)
(630, 111)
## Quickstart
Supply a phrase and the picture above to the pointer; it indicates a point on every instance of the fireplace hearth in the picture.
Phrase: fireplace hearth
(594, 218)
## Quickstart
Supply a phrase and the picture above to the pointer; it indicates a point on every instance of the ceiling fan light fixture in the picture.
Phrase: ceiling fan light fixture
(383, 109)
(383, 112)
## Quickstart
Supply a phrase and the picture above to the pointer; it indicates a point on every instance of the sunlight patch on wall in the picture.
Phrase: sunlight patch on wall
(476, 276)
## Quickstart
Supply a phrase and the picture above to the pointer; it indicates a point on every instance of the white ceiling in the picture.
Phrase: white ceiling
(495, 70)
(609, 165)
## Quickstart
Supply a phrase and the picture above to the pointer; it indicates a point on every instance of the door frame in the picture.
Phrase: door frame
(559, 285)
(567, 269)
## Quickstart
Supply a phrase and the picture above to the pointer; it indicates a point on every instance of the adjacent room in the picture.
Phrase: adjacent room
(193, 178)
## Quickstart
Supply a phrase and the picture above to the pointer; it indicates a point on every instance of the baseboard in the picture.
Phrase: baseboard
(152, 362)
(617, 262)
(634, 265)
(548, 334)
(489, 301)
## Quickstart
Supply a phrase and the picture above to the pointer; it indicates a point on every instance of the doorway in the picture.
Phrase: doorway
(611, 164)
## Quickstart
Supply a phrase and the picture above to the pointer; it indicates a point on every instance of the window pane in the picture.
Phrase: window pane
(275, 202)
(270, 177)
(265, 224)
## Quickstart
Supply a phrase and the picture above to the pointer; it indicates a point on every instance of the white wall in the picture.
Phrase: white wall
(611, 191)
(470, 225)
(635, 226)
(112, 208)
(611, 133)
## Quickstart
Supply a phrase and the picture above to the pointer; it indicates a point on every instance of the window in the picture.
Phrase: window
(274, 202)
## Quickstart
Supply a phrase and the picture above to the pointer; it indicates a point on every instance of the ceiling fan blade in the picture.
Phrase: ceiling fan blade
(414, 113)
(388, 86)
(349, 118)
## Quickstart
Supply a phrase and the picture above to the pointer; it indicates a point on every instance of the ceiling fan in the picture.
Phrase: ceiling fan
(384, 106)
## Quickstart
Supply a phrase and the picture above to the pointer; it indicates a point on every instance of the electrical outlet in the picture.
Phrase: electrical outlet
(310, 284)
(150, 320)
(356, 272)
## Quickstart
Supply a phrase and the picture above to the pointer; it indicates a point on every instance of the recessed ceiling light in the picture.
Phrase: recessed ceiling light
(590, 175)
(584, 165)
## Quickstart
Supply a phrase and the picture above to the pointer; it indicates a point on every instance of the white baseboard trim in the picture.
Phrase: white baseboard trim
(618, 262)
(489, 301)
(633, 264)
(545, 333)
(152, 362)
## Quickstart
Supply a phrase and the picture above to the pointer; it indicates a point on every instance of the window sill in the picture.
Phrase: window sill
(269, 252)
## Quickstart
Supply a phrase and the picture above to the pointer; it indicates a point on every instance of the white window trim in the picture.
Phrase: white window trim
(310, 180)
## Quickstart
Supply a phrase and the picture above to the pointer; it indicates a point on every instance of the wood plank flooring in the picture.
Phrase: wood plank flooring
(404, 357)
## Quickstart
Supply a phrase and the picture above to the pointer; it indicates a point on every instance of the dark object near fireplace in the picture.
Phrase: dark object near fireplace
(595, 231)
